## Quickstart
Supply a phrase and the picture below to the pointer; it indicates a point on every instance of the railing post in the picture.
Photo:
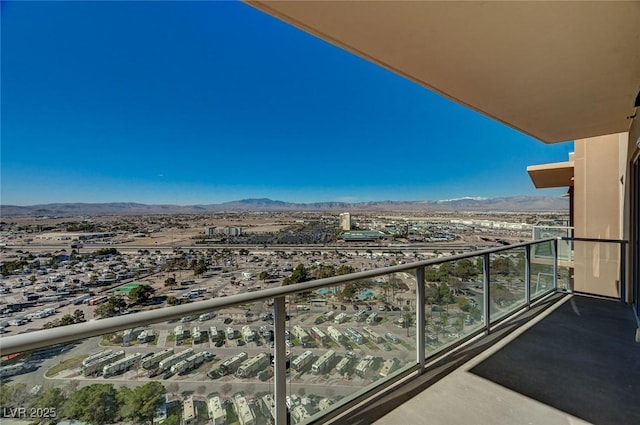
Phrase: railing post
(623, 273)
(527, 275)
(555, 264)
(420, 318)
(487, 284)
(280, 360)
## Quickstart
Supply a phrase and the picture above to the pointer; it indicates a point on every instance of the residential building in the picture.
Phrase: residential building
(345, 221)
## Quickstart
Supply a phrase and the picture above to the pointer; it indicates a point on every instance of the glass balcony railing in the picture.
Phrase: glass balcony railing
(562, 233)
(293, 353)
(596, 266)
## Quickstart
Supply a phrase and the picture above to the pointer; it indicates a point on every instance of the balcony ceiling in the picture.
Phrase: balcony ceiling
(554, 70)
(558, 174)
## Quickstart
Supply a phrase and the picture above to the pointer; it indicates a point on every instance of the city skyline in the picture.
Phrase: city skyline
(214, 102)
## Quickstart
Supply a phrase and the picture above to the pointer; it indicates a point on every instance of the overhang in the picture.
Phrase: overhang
(555, 70)
(557, 174)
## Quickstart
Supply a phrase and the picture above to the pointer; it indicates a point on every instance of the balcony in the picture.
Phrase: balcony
(487, 330)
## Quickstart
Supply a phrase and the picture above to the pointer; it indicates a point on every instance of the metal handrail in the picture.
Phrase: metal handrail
(565, 238)
(46, 337)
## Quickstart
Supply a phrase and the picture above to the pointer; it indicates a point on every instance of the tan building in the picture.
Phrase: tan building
(345, 221)
(594, 176)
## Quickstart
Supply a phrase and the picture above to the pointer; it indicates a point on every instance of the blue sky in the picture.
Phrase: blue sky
(206, 102)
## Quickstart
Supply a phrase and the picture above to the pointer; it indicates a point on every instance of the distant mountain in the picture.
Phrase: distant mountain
(505, 204)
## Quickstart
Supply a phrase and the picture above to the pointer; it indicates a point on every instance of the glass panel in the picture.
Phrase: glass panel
(343, 339)
(454, 298)
(597, 268)
(507, 282)
(541, 271)
(214, 366)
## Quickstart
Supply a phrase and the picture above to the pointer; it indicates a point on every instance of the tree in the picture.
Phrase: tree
(140, 404)
(171, 281)
(200, 267)
(112, 307)
(67, 319)
(430, 274)
(299, 274)
(407, 318)
(456, 284)
(500, 265)
(96, 404)
(52, 398)
(264, 275)
(171, 300)
(141, 294)
(173, 419)
(344, 269)
(463, 303)
(465, 269)
(79, 316)
(126, 401)
(13, 395)
(349, 291)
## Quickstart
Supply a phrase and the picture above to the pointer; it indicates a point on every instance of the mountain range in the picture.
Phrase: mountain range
(503, 204)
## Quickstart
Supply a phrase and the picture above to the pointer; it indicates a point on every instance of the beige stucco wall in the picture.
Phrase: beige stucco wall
(599, 208)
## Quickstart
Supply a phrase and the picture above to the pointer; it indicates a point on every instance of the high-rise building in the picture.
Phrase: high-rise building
(345, 221)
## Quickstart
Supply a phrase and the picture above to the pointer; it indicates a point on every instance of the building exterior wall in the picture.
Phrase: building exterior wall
(345, 221)
(598, 212)
(631, 220)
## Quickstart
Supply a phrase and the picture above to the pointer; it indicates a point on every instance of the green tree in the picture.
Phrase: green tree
(501, 295)
(140, 404)
(444, 295)
(199, 268)
(349, 291)
(264, 275)
(105, 251)
(430, 274)
(173, 419)
(96, 404)
(344, 269)
(171, 281)
(463, 303)
(465, 269)
(112, 307)
(67, 319)
(79, 316)
(299, 274)
(141, 294)
(171, 300)
(51, 398)
(13, 395)
(500, 265)
(407, 319)
(126, 404)
(455, 284)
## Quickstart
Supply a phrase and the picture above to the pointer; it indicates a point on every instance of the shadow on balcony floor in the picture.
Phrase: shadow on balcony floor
(569, 360)
(582, 359)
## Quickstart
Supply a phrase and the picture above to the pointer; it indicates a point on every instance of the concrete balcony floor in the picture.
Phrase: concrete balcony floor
(574, 361)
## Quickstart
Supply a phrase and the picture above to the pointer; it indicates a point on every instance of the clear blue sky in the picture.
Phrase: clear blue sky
(206, 102)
